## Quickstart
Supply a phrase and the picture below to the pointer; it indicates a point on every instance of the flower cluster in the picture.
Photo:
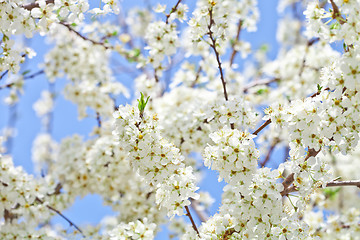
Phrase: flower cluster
(226, 15)
(91, 79)
(133, 230)
(236, 111)
(298, 70)
(162, 40)
(339, 22)
(43, 151)
(181, 117)
(23, 196)
(234, 155)
(144, 164)
(155, 159)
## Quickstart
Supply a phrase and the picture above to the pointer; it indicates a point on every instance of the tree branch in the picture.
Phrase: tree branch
(25, 77)
(355, 183)
(234, 52)
(83, 37)
(271, 149)
(61, 215)
(260, 82)
(98, 119)
(172, 10)
(290, 178)
(4, 74)
(336, 13)
(191, 220)
(213, 46)
(262, 127)
(201, 214)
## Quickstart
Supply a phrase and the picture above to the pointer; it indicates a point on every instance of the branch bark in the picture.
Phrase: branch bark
(172, 10)
(191, 220)
(83, 37)
(290, 178)
(201, 214)
(234, 52)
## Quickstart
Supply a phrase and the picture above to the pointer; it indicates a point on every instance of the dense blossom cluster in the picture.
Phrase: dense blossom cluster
(133, 230)
(341, 22)
(155, 159)
(319, 120)
(234, 156)
(204, 108)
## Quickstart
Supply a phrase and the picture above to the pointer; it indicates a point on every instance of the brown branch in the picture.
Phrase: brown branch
(259, 82)
(33, 5)
(196, 76)
(355, 183)
(4, 74)
(25, 77)
(228, 234)
(213, 46)
(271, 149)
(191, 220)
(262, 127)
(336, 13)
(172, 10)
(234, 52)
(61, 215)
(303, 64)
(83, 37)
(201, 214)
(98, 119)
(317, 93)
(290, 178)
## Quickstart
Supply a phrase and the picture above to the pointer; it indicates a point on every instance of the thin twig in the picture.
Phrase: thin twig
(196, 76)
(191, 220)
(98, 119)
(83, 37)
(259, 82)
(234, 52)
(25, 77)
(355, 183)
(336, 13)
(213, 46)
(202, 215)
(343, 183)
(61, 215)
(4, 74)
(172, 10)
(290, 179)
(271, 149)
(34, 74)
(262, 127)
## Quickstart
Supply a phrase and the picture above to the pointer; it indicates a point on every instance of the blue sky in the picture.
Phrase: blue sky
(65, 115)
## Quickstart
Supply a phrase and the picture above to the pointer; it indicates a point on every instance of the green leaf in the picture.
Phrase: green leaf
(264, 48)
(142, 103)
(260, 91)
(133, 54)
(74, 24)
(319, 87)
(331, 193)
(335, 25)
(26, 72)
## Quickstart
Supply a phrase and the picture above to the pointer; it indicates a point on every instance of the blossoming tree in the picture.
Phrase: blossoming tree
(139, 157)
